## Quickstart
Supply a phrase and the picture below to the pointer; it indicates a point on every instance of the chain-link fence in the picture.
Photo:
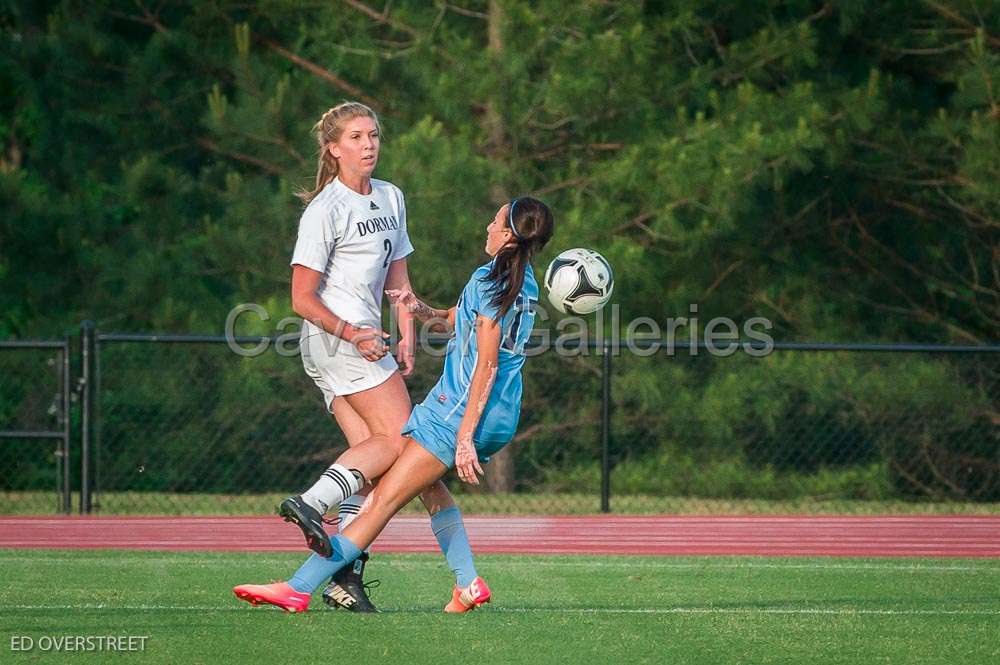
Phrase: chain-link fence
(188, 426)
(850, 428)
(35, 426)
(184, 425)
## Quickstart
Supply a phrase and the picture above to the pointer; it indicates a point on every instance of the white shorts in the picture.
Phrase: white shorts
(338, 369)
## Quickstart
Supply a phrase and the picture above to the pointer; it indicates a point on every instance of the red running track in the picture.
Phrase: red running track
(950, 536)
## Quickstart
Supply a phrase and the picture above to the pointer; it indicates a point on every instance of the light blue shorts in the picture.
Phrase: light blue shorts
(439, 438)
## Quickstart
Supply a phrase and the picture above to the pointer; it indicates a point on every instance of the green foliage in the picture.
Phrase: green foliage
(682, 475)
(821, 165)
(829, 166)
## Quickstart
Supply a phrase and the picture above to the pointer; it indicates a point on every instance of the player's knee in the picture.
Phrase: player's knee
(387, 426)
(393, 445)
(397, 444)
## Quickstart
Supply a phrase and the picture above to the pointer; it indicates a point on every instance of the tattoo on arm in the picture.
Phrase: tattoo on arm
(422, 311)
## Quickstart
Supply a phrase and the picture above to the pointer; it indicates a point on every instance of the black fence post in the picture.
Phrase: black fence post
(86, 405)
(67, 500)
(94, 477)
(606, 428)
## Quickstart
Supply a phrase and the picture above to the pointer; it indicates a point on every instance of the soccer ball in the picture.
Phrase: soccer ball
(579, 281)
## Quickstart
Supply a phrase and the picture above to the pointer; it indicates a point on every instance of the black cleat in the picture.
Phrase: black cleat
(347, 589)
(307, 518)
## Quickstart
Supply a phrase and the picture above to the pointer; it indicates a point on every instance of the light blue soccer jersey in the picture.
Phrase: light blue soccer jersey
(449, 398)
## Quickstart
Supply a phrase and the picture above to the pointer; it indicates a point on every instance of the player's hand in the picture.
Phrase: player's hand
(370, 343)
(466, 460)
(404, 297)
(407, 299)
(405, 356)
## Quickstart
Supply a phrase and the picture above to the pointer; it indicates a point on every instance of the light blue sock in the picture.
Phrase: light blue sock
(454, 541)
(317, 570)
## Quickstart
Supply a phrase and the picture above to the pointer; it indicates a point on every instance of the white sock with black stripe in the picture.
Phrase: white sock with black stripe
(349, 509)
(336, 484)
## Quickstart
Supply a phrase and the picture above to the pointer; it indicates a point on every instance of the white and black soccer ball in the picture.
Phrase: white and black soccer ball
(579, 281)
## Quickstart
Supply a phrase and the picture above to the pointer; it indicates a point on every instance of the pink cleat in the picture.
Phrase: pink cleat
(468, 599)
(279, 594)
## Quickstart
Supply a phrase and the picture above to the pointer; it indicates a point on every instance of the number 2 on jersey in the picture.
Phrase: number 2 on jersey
(388, 252)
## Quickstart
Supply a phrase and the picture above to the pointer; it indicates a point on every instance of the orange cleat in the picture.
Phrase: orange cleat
(468, 599)
(279, 594)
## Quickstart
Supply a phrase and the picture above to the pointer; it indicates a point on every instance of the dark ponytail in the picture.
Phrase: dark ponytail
(530, 222)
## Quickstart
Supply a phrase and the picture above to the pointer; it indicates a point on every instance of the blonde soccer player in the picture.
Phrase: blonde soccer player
(470, 414)
(352, 244)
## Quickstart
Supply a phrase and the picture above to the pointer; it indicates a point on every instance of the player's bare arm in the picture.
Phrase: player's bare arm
(441, 320)
(483, 376)
(305, 303)
(398, 279)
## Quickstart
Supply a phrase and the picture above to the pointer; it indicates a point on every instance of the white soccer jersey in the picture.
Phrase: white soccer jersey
(352, 238)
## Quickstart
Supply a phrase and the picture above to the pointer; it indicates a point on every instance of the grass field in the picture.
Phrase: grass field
(162, 503)
(546, 610)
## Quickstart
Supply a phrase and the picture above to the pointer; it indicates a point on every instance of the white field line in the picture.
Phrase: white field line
(747, 610)
(845, 611)
(665, 564)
